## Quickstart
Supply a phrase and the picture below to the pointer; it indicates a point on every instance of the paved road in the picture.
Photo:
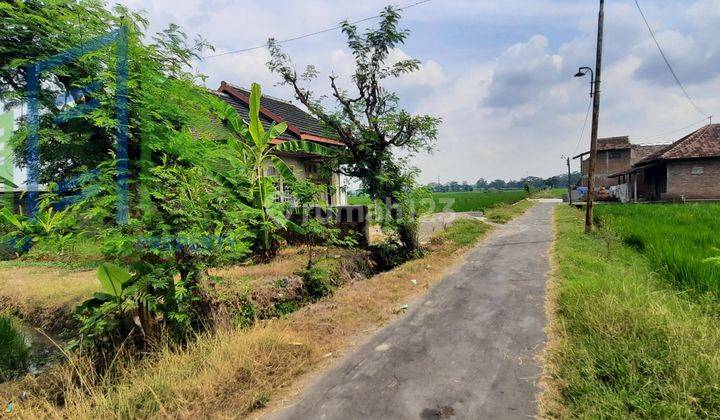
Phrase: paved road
(466, 350)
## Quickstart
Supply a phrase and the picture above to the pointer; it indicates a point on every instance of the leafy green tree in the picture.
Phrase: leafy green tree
(34, 30)
(370, 122)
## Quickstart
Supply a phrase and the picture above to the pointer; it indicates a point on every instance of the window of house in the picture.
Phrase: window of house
(698, 170)
(615, 154)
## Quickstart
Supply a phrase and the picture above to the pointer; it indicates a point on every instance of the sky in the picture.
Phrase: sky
(498, 72)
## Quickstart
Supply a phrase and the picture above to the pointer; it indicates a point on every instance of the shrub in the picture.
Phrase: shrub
(13, 349)
(388, 255)
(318, 283)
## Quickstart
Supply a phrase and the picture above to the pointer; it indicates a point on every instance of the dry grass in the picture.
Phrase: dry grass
(288, 261)
(235, 372)
(44, 296)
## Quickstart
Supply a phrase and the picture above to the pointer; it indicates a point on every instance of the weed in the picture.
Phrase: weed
(13, 349)
(464, 232)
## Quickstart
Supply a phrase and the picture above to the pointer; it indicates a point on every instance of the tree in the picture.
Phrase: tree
(369, 122)
(481, 184)
(35, 30)
(497, 184)
(184, 219)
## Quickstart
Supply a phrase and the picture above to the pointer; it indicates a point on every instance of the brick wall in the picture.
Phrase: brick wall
(694, 179)
(607, 163)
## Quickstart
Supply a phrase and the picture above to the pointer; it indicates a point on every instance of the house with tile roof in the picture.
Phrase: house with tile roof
(301, 126)
(686, 170)
(614, 154)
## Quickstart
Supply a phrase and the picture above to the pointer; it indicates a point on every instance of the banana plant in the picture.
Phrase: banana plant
(255, 151)
(7, 181)
(105, 311)
(27, 231)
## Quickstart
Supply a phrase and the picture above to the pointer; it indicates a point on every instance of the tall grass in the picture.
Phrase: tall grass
(13, 349)
(676, 238)
(622, 343)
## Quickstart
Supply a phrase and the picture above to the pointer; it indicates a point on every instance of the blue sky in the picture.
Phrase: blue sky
(499, 72)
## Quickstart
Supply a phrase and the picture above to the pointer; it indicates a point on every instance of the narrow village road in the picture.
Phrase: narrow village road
(466, 350)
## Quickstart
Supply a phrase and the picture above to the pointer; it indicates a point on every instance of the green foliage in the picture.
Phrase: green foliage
(106, 317)
(677, 239)
(503, 213)
(370, 123)
(316, 231)
(390, 254)
(13, 349)
(254, 153)
(185, 216)
(7, 182)
(318, 283)
(24, 232)
(35, 30)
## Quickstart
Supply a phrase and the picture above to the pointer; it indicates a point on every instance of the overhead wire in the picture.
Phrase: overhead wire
(582, 132)
(307, 35)
(667, 62)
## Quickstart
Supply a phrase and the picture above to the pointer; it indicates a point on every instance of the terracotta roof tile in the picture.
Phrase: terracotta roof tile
(641, 151)
(702, 143)
(613, 143)
(289, 112)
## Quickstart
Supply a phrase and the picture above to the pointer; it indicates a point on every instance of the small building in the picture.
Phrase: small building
(686, 170)
(614, 155)
(301, 126)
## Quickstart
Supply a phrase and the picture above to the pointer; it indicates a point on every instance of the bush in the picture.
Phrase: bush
(388, 255)
(318, 283)
(13, 349)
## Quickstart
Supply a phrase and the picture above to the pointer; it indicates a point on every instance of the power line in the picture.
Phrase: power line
(667, 133)
(667, 62)
(582, 133)
(257, 47)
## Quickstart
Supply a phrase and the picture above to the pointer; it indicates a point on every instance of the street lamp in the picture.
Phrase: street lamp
(582, 71)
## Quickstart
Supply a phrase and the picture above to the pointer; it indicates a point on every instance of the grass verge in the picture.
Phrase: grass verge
(622, 342)
(237, 371)
(503, 213)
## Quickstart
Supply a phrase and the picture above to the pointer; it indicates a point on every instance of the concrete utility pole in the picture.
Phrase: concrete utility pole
(595, 118)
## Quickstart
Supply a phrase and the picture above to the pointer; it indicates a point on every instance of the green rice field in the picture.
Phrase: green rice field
(677, 239)
(463, 201)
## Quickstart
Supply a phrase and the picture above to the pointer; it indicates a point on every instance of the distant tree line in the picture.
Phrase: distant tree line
(535, 183)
